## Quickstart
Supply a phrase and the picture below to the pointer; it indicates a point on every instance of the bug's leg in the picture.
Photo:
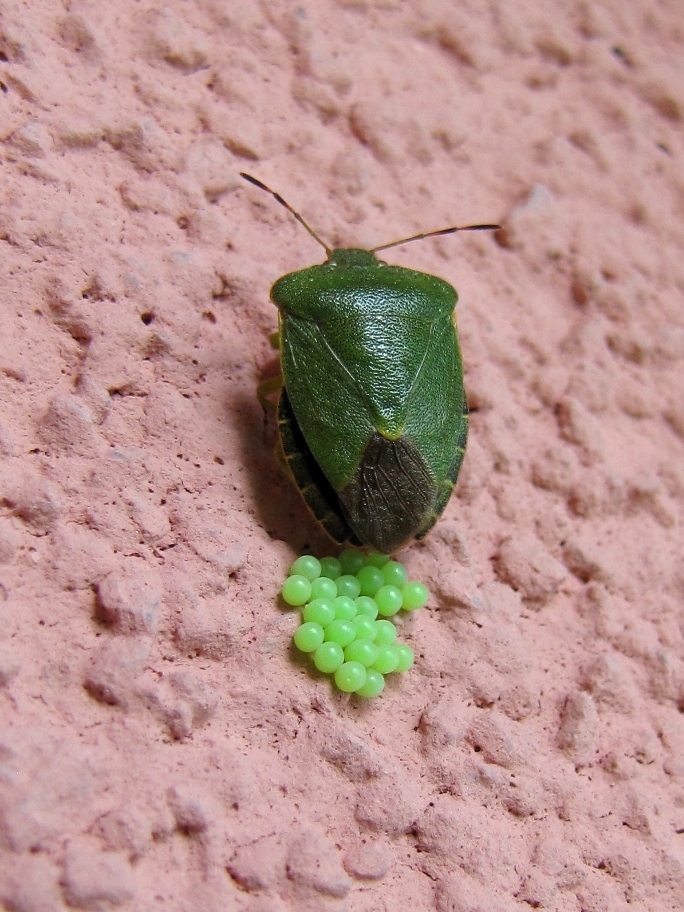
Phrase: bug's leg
(266, 390)
(274, 340)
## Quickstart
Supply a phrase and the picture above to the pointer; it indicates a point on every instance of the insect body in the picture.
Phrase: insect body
(372, 414)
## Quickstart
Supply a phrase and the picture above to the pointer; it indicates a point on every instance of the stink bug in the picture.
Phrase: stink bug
(372, 414)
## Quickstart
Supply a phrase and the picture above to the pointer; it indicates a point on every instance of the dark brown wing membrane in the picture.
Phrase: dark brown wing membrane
(391, 495)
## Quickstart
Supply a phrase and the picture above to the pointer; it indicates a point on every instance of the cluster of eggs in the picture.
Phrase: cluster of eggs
(346, 605)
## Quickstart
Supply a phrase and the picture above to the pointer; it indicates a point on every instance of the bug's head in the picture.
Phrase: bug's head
(351, 256)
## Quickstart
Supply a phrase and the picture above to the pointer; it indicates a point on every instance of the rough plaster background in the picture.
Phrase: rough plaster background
(161, 748)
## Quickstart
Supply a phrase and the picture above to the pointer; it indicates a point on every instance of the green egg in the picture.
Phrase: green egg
(388, 600)
(405, 657)
(323, 587)
(342, 632)
(350, 676)
(394, 574)
(351, 562)
(296, 590)
(307, 566)
(348, 585)
(374, 685)
(415, 596)
(308, 637)
(365, 627)
(367, 606)
(320, 610)
(386, 632)
(363, 651)
(345, 608)
(331, 568)
(376, 560)
(328, 657)
(370, 580)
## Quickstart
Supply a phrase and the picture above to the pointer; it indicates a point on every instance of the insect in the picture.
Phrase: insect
(372, 413)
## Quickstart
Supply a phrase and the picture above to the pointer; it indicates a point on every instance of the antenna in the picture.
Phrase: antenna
(328, 250)
(429, 234)
(258, 183)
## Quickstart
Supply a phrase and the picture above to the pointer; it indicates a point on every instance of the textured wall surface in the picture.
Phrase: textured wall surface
(160, 745)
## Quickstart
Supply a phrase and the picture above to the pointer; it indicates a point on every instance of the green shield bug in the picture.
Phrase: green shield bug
(372, 413)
